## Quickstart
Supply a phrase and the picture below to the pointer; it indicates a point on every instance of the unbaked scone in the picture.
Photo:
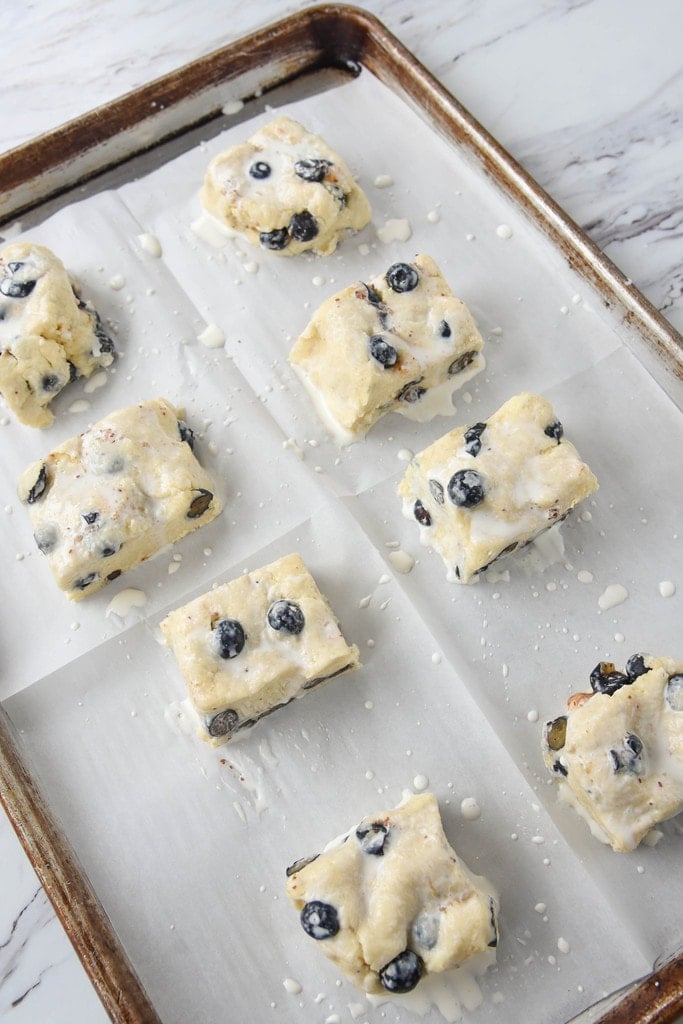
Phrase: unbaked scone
(285, 190)
(617, 753)
(49, 335)
(400, 343)
(106, 500)
(486, 489)
(252, 645)
(390, 902)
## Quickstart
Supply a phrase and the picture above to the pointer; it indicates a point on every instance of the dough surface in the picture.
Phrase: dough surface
(49, 335)
(400, 343)
(285, 190)
(391, 901)
(485, 489)
(111, 497)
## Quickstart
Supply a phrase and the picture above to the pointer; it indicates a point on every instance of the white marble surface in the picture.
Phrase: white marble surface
(587, 94)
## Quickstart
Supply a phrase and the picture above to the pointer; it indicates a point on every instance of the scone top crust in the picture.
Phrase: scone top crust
(618, 751)
(486, 488)
(48, 334)
(383, 345)
(112, 496)
(255, 642)
(392, 902)
(285, 190)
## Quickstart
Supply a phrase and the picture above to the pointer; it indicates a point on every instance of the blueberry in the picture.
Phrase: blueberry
(605, 678)
(105, 342)
(46, 539)
(444, 329)
(560, 769)
(336, 192)
(673, 693)
(381, 351)
(299, 864)
(199, 505)
(303, 226)
(223, 723)
(466, 488)
(186, 434)
(260, 169)
(401, 277)
(229, 638)
(494, 925)
(628, 758)
(51, 383)
(635, 666)
(86, 581)
(110, 548)
(319, 920)
(421, 514)
(459, 364)
(372, 838)
(277, 239)
(312, 168)
(436, 491)
(39, 487)
(425, 930)
(556, 733)
(16, 289)
(287, 616)
(403, 972)
(374, 297)
(411, 392)
(473, 439)
(555, 430)
(90, 517)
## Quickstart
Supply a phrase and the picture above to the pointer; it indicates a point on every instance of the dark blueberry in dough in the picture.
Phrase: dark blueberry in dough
(39, 487)
(299, 864)
(401, 277)
(560, 769)
(384, 353)
(466, 488)
(109, 548)
(436, 491)
(51, 383)
(673, 692)
(199, 505)
(421, 514)
(319, 920)
(445, 329)
(635, 666)
(556, 733)
(555, 430)
(411, 392)
(90, 517)
(277, 239)
(337, 193)
(459, 364)
(186, 434)
(629, 757)
(46, 539)
(374, 296)
(16, 289)
(229, 637)
(303, 226)
(312, 168)
(605, 678)
(494, 925)
(260, 169)
(425, 930)
(85, 581)
(105, 342)
(223, 723)
(473, 439)
(372, 838)
(403, 972)
(287, 616)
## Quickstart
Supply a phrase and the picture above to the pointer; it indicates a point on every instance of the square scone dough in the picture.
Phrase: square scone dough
(486, 489)
(285, 190)
(400, 343)
(252, 645)
(49, 335)
(617, 751)
(390, 902)
(106, 500)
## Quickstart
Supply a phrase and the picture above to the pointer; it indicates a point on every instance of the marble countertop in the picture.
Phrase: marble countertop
(586, 94)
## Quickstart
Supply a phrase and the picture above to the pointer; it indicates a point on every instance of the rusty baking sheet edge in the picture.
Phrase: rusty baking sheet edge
(319, 37)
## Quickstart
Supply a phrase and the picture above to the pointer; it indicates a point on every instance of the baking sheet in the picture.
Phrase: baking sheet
(187, 852)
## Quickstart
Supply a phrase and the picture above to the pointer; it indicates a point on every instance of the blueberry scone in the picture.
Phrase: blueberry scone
(252, 645)
(618, 751)
(49, 335)
(285, 190)
(400, 343)
(391, 902)
(111, 497)
(486, 489)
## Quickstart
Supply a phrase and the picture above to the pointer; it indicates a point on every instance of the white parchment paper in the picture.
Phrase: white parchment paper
(187, 845)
